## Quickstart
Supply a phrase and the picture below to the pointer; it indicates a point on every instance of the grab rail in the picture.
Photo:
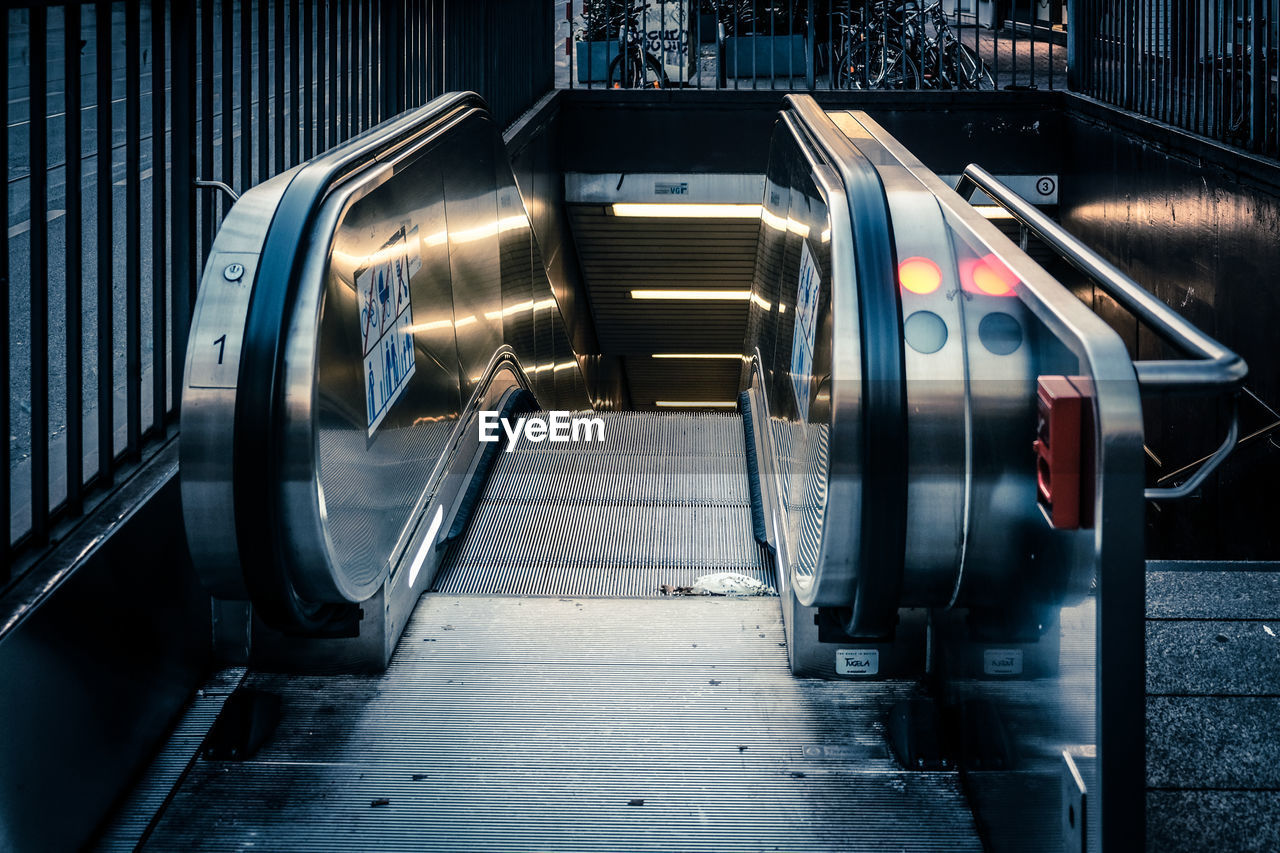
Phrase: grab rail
(1213, 366)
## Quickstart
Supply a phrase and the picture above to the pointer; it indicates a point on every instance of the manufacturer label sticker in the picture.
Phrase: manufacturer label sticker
(1002, 661)
(858, 661)
(386, 314)
(670, 188)
(806, 327)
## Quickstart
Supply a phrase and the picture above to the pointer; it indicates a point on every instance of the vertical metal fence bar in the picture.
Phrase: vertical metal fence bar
(1158, 55)
(294, 118)
(1104, 52)
(1053, 71)
(38, 308)
(227, 93)
(335, 52)
(1146, 92)
(1030, 62)
(357, 71)
(182, 184)
(322, 48)
(1223, 67)
(377, 66)
(159, 214)
(370, 65)
(246, 94)
(264, 90)
(308, 80)
(416, 70)
(344, 73)
(995, 47)
(74, 256)
(207, 82)
(1199, 60)
(1081, 29)
(6, 478)
(1259, 82)
(1271, 131)
(105, 247)
(1129, 53)
(133, 229)
(277, 91)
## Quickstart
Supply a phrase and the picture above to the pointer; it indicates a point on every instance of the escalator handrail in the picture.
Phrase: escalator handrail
(259, 394)
(881, 546)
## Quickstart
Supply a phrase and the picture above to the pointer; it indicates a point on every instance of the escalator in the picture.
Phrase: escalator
(462, 643)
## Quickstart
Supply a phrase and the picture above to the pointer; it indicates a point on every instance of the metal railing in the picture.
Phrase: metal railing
(807, 45)
(1210, 368)
(104, 242)
(1211, 68)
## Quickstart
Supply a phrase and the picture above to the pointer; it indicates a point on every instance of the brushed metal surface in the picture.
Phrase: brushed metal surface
(1049, 568)
(592, 724)
(804, 200)
(435, 205)
(209, 389)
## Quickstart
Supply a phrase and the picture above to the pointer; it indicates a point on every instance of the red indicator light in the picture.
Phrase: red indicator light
(987, 275)
(919, 275)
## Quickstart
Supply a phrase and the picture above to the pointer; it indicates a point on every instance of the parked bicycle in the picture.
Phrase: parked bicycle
(868, 53)
(945, 62)
(634, 67)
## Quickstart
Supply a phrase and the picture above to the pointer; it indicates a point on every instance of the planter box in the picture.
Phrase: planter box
(766, 56)
(593, 60)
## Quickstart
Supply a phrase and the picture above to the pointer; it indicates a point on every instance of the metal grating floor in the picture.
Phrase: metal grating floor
(558, 724)
(665, 498)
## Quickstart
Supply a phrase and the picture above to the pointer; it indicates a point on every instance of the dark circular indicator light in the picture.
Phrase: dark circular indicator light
(925, 332)
(1000, 333)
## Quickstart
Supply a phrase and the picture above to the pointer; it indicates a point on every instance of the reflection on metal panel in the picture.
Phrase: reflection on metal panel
(416, 270)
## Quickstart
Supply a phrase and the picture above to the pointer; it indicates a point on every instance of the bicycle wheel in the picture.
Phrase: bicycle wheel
(862, 63)
(970, 71)
(636, 73)
(901, 71)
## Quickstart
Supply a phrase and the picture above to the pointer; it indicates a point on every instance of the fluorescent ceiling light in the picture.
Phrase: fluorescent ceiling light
(692, 294)
(689, 211)
(696, 404)
(725, 355)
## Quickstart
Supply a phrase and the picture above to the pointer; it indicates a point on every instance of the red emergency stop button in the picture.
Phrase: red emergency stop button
(1064, 451)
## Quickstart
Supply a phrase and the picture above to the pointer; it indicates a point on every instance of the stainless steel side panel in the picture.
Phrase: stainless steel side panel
(1083, 589)
(209, 387)
(419, 266)
(804, 212)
